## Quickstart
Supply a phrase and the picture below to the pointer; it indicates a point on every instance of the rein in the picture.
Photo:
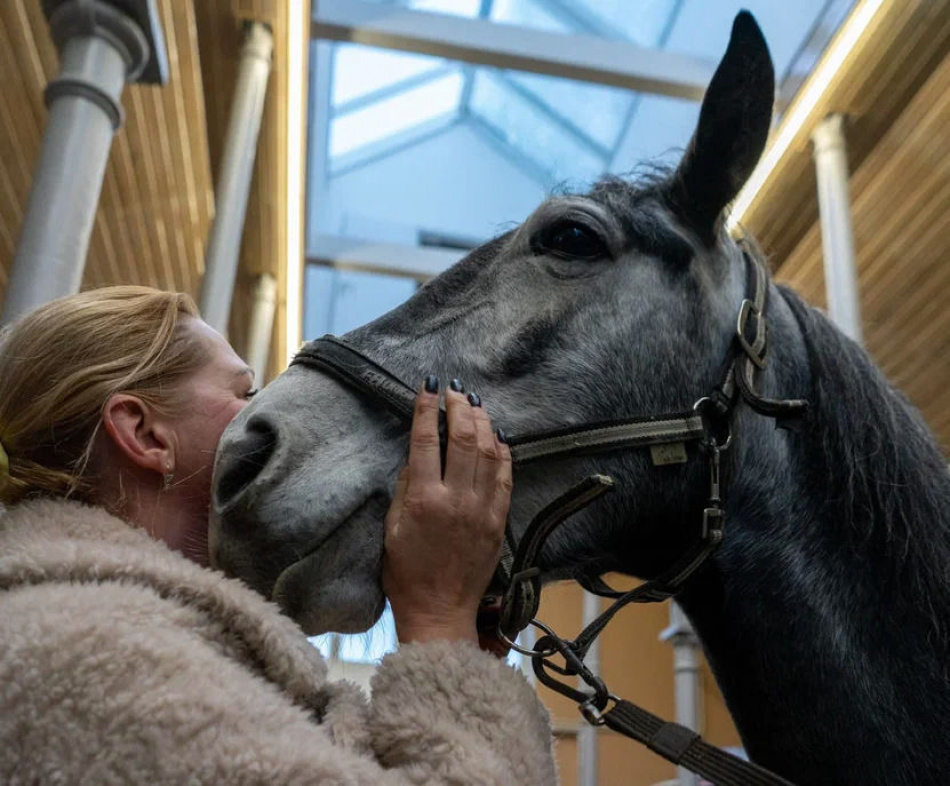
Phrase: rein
(708, 423)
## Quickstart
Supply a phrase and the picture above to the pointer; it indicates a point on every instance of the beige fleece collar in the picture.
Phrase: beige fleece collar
(45, 541)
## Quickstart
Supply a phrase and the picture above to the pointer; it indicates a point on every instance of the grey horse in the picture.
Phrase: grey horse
(825, 612)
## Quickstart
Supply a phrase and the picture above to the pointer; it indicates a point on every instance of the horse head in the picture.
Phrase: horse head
(619, 301)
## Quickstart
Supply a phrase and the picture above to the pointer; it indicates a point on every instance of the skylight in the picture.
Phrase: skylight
(436, 99)
(556, 128)
(557, 151)
(467, 8)
(528, 13)
(360, 71)
(384, 104)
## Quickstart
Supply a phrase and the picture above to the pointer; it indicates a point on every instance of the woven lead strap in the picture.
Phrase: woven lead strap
(684, 747)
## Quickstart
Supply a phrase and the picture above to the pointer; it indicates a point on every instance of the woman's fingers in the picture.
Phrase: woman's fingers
(461, 455)
(443, 534)
(486, 467)
(475, 459)
(425, 459)
(399, 500)
(503, 480)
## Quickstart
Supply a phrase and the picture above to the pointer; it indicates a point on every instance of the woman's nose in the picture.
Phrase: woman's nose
(241, 459)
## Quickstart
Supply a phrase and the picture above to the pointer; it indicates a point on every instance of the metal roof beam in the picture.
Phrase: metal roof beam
(393, 259)
(482, 42)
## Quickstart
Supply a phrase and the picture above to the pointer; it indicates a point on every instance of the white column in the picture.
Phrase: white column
(261, 329)
(234, 177)
(682, 637)
(587, 755)
(100, 49)
(837, 236)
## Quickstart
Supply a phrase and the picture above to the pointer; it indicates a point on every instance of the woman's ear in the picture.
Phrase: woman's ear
(138, 434)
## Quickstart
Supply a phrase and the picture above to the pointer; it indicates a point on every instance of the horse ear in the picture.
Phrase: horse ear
(733, 128)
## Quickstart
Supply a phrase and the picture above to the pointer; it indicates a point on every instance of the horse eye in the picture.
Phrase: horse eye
(573, 240)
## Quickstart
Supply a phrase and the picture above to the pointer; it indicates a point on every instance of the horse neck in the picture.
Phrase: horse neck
(816, 615)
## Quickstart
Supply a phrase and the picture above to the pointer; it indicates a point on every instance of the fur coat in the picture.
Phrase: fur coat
(123, 663)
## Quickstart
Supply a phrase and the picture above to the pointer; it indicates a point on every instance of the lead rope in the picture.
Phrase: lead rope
(599, 707)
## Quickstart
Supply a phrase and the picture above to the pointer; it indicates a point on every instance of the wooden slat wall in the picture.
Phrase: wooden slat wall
(157, 199)
(901, 209)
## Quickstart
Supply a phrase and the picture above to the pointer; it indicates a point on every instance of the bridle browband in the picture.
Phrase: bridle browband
(708, 423)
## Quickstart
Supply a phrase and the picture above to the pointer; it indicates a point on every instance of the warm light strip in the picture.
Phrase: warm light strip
(804, 104)
(296, 49)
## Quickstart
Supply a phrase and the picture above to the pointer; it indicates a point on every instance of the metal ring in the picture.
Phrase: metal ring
(531, 653)
(698, 409)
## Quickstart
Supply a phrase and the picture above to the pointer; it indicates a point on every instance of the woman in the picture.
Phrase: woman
(124, 661)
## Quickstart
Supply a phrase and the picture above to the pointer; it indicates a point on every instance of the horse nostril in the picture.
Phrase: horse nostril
(245, 460)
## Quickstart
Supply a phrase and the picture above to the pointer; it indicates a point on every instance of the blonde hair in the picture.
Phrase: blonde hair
(60, 364)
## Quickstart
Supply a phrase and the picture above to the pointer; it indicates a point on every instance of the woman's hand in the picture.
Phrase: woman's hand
(444, 531)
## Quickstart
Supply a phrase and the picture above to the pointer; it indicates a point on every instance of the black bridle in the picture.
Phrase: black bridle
(518, 577)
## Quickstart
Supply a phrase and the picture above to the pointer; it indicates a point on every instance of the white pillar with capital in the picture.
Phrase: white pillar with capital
(837, 235)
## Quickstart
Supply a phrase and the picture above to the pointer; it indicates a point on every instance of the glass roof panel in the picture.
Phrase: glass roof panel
(396, 113)
(467, 8)
(338, 301)
(359, 71)
(528, 13)
(556, 151)
(599, 111)
(402, 126)
(643, 22)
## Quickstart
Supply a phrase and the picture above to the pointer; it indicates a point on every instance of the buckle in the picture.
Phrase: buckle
(713, 519)
(747, 308)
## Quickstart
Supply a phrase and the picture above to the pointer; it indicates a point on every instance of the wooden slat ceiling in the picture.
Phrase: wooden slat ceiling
(898, 52)
(897, 95)
(157, 198)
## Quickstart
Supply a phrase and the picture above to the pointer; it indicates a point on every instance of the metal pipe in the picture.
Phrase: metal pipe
(234, 177)
(837, 235)
(100, 49)
(587, 753)
(686, 685)
(261, 328)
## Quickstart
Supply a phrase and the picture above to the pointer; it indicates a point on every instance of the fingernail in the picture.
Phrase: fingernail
(502, 436)
(474, 400)
(456, 386)
(432, 384)
(488, 600)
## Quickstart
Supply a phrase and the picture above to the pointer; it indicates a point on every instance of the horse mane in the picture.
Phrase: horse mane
(890, 480)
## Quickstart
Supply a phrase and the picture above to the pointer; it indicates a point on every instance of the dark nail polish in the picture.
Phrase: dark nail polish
(474, 400)
(456, 386)
(502, 436)
(432, 384)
